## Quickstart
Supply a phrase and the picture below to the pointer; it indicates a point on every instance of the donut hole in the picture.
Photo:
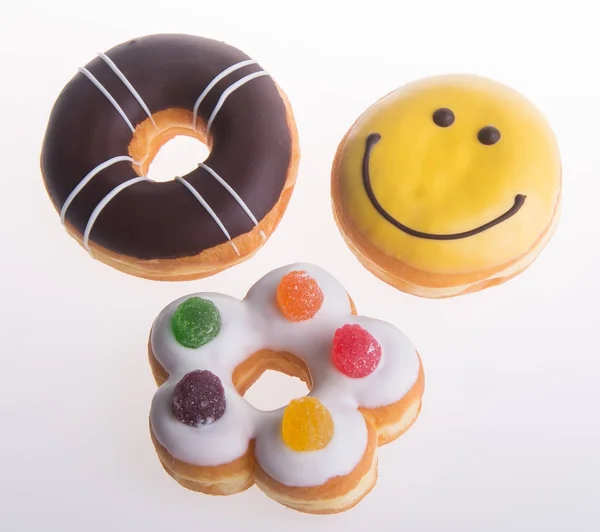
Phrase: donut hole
(269, 380)
(177, 157)
(166, 145)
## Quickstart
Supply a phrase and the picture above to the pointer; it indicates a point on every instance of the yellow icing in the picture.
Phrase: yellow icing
(443, 180)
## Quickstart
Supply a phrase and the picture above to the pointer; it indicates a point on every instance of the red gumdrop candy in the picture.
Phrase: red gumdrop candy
(356, 353)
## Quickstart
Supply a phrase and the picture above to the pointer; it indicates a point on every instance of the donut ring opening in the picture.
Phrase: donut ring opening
(249, 371)
(148, 138)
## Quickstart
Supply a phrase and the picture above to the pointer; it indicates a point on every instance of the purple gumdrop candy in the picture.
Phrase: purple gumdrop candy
(198, 399)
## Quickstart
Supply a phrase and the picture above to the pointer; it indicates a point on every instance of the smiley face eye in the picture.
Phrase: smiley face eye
(443, 117)
(488, 135)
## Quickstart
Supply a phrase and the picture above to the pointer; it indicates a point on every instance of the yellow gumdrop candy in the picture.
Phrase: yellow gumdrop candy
(306, 425)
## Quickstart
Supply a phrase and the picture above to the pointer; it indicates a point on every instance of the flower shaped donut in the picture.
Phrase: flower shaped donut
(317, 454)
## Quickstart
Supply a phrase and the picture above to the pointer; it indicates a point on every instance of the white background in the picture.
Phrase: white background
(509, 436)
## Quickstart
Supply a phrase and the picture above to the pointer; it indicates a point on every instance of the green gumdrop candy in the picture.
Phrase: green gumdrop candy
(196, 322)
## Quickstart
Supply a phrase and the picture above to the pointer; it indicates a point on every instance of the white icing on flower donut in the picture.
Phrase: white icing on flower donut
(256, 323)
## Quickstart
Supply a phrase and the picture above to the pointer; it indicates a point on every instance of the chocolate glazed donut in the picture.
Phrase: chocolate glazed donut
(113, 116)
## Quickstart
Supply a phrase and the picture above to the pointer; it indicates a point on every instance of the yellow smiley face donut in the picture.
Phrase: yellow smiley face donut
(448, 185)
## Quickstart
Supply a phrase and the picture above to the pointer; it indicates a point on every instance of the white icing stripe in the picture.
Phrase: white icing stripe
(96, 212)
(126, 82)
(227, 92)
(216, 80)
(88, 178)
(109, 97)
(212, 213)
(233, 193)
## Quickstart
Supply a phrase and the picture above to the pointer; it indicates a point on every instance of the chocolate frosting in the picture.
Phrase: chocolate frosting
(251, 147)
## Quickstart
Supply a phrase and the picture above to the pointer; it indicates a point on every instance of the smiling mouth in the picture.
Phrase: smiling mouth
(373, 139)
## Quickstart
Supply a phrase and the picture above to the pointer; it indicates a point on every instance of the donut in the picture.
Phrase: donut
(318, 453)
(448, 185)
(111, 119)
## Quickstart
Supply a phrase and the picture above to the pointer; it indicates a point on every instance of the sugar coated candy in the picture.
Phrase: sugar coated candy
(356, 353)
(198, 399)
(306, 425)
(196, 322)
(299, 296)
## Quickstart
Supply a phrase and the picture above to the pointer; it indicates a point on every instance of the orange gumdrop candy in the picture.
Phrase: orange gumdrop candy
(298, 296)
(306, 425)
